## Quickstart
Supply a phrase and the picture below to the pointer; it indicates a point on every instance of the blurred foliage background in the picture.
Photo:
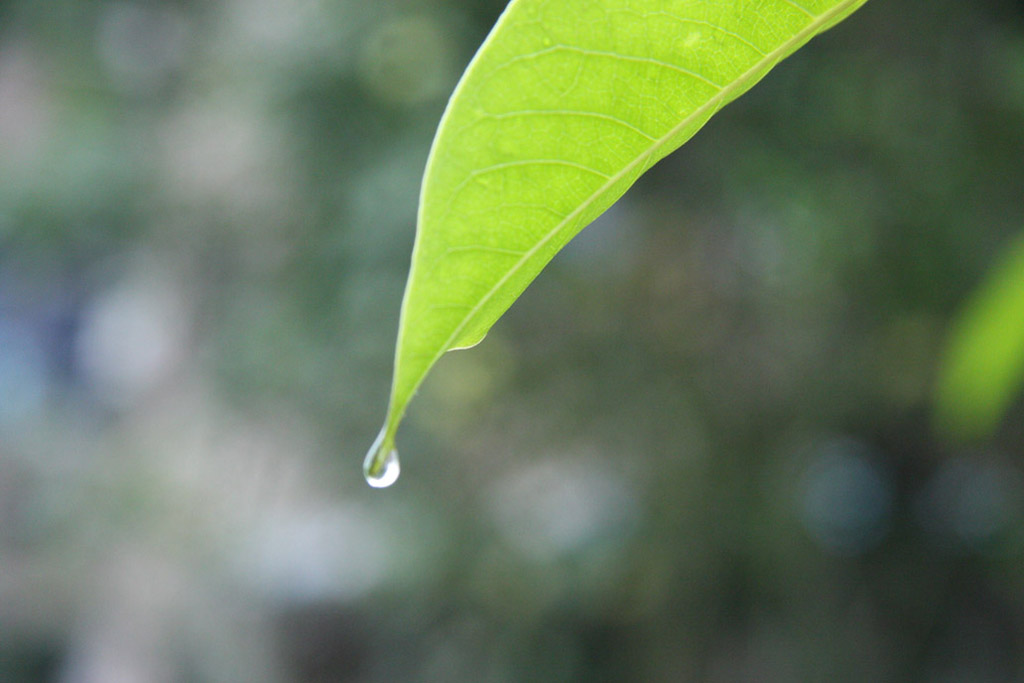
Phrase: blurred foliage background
(700, 448)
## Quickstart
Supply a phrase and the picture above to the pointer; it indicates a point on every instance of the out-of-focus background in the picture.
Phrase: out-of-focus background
(700, 448)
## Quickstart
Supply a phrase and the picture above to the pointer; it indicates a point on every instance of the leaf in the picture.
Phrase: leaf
(983, 366)
(564, 106)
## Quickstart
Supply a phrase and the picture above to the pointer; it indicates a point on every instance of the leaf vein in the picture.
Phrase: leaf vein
(712, 25)
(534, 162)
(601, 53)
(572, 112)
(473, 175)
(800, 7)
(483, 247)
(640, 60)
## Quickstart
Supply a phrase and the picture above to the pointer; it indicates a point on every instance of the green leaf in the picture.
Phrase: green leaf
(564, 106)
(983, 367)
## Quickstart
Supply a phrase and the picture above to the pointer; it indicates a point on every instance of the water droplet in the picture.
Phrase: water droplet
(381, 467)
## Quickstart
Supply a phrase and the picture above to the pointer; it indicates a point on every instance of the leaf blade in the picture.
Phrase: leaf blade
(983, 366)
(564, 106)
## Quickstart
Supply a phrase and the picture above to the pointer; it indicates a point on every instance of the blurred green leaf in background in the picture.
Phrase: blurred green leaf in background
(983, 369)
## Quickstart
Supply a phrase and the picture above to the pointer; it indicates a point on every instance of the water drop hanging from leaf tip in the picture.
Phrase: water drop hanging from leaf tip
(381, 467)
